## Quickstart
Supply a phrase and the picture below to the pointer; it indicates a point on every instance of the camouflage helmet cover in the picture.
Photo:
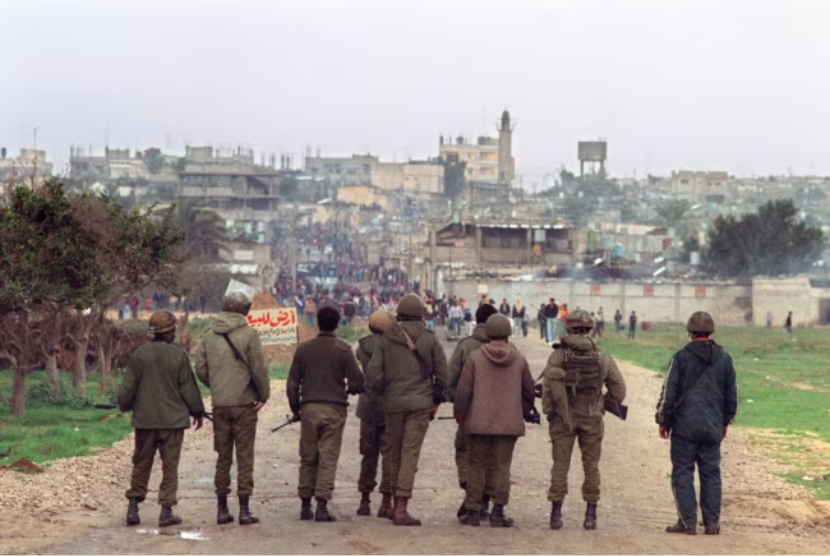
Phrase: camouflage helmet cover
(579, 318)
(498, 326)
(381, 320)
(411, 306)
(701, 322)
(161, 322)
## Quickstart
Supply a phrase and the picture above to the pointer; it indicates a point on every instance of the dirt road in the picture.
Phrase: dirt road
(761, 514)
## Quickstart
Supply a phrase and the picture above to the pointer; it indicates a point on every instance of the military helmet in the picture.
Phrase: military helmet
(498, 326)
(701, 322)
(162, 321)
(411, 306)
(381, 320)
(236, 302)
(579, 318)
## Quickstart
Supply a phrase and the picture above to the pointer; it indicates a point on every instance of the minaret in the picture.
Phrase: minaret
(505, 150)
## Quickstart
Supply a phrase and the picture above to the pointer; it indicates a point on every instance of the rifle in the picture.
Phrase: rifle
(446, 418)
(105, 405)
(289, 420)
(616, 408)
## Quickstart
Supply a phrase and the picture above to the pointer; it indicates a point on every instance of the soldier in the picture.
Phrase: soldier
(698, 402)
(231, 363)
(459, 356)
(409, 372)
(573, 401)
(372, 427)
(494, 395)
(160, 390)
(318, 396)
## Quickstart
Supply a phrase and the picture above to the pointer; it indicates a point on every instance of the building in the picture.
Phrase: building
(699, 186)
(28, 164)
(340, 171)
(414, 178)
(488, 159)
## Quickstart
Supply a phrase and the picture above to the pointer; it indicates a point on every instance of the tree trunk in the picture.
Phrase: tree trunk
(103, 369)
(79, 376)
(18, 402)
(53, 373)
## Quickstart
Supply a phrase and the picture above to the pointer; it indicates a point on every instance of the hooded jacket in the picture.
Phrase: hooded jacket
(233, 382)
(495, 392)
(396, 375)
(462, 351)
(712, 403)
(369, 408)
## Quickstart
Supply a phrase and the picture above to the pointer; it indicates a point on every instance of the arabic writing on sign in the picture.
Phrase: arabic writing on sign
(275, 326)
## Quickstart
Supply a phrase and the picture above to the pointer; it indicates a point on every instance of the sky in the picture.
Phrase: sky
(741, 86)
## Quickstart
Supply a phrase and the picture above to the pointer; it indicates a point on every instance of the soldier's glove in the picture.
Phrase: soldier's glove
(296, 416)
(533, 417)
(537, 388)
(355, 390)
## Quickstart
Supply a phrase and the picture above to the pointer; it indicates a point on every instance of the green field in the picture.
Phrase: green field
(783, 388)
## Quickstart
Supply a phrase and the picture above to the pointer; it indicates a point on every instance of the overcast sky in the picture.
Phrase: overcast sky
(742, 86)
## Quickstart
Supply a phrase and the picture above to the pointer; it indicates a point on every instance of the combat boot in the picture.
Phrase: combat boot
(223, 516)
(712, 529)
(401, 515)
(365, 507)
(461, 514)
(556, 516)
(386, 507)
(323, 511)
(485, 507)
(305, 510)
(473, 518)
(590, 522)
(681, 528)
(245, 517)
(498, 519)
(132, 512)
(167, 518)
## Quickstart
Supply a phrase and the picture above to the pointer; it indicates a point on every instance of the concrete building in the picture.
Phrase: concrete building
(21, 169)
(414, 178)
(488, 159)
(341, 171)
(699, 186)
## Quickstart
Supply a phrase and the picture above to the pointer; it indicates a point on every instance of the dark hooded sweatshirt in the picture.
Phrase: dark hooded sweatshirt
(712, 403)
(395, 374)
(495, 392)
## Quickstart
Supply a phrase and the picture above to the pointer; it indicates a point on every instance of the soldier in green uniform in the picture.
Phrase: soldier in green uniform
(373, 443)
(572, 399)
(323, 373)
(231, 362)
(160, 390)
(459, 356)
(408, 371)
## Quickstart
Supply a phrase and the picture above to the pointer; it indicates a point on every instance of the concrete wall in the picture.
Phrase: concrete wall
(729, 304)
(780, 295)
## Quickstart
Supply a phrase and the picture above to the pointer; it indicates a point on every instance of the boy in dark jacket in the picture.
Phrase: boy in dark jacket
(698, 402)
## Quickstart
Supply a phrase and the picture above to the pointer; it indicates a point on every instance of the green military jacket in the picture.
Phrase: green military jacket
(159, 388)
(233, 382)
(369, 407)
(395, 374)
(462, 351)
(572, 404)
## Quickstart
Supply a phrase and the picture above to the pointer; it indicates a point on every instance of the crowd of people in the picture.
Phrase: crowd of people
(405, 377)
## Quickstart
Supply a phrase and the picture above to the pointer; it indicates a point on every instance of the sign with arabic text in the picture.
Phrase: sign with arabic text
(275, 326)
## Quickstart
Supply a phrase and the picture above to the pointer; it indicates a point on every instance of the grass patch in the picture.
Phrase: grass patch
(783, 386)
(278, 372)
(352, 334)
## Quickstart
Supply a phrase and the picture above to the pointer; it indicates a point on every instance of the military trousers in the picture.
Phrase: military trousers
(589, 434)
(405, 433)
(684, 455)
(493, 455)
(234, 427)
(168, 443)
(373, 447)
(461, 454)
(321, 436)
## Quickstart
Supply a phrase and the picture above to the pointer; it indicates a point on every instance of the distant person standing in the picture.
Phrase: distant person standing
(599, 324)
(788, 325)
(161, 391)
(540, 317)
(456, 316)
(504, 308)
(769, 319)
(519, 312)
(698, 402)
(618, 320)
(563, 318)
(632, 325)
(551, 313)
